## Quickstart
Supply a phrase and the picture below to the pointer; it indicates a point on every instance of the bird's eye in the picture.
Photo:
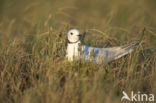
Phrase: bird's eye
(71, 33)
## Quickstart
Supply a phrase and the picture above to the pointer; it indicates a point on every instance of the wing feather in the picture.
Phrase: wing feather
(104, 55)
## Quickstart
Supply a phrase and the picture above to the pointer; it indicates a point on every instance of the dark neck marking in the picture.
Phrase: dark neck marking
(72, 42)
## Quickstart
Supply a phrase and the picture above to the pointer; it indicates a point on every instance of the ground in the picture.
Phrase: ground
(33, 67)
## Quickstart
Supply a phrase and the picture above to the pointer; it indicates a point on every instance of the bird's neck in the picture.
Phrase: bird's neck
(72, 50)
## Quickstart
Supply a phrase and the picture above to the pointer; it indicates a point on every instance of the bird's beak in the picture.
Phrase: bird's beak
(79, 35)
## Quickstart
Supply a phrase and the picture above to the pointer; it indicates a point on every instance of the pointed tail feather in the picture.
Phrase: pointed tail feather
(127, 49)
(129, 46)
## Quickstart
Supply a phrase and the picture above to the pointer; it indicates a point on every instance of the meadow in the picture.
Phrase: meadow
(33, 67)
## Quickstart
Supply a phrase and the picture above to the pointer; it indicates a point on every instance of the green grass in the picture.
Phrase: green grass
(33, 67)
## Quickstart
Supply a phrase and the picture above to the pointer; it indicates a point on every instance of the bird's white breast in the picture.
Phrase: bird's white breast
(72, 51)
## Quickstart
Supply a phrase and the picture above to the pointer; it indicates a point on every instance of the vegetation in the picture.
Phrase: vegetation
(33, 67)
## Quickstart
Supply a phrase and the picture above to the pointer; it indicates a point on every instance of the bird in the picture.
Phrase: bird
(78, 51)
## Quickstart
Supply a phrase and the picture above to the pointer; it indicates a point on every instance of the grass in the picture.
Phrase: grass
(33, 67)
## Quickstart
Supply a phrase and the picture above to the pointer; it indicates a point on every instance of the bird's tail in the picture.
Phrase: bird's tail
(127, 49)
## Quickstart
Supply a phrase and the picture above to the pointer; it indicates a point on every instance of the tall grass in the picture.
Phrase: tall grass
(33, 67)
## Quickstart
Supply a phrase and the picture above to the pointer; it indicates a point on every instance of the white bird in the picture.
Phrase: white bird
(93, 54)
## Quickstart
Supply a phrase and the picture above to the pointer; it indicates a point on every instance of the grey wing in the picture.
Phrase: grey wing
(123, 50)
(104, 55)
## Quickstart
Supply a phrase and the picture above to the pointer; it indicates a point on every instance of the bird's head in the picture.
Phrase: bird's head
(73, 35)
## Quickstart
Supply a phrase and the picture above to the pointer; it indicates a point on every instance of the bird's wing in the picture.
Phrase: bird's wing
(123, 50)
(106, 54)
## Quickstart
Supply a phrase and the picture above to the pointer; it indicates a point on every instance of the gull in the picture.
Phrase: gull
(77, 51)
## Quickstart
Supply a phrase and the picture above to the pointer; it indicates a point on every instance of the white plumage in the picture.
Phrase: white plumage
(93, 54)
